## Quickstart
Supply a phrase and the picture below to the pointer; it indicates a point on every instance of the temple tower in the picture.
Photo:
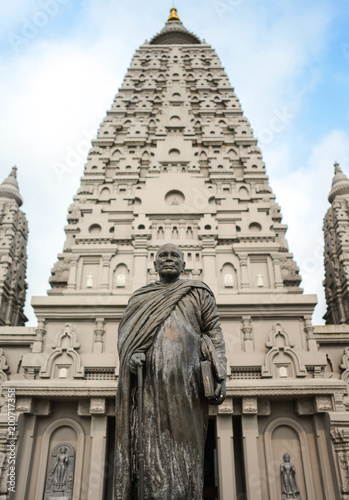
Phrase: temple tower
(13, 256)
(175, 160)
(336, 233)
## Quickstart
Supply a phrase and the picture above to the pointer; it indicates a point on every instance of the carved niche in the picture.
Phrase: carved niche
(340, 438)
(3, 367)
(66, 343)
(279, 343)
(345, 366)
(60, 474)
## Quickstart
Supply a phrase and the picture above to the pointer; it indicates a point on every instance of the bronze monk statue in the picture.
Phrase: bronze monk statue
(166, 326)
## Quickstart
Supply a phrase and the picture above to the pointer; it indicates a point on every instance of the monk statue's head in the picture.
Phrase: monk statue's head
(287, 457)
(169, 263)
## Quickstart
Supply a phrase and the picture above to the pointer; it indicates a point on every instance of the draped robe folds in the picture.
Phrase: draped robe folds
(165, 321)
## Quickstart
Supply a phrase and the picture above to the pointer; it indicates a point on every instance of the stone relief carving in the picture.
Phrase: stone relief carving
(226, 408)
(24, 404)
(249, 405)
(345, 367)
(287, 349)
(289, 487)
(3, 367)
(343, 458)
(3, 468)
(97, 405)
(323, 404)
(66, 342)
(340, 437)
(60, 272)
(289, 272)
(60, 475)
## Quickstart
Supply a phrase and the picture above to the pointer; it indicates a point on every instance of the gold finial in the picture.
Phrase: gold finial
(173, 15)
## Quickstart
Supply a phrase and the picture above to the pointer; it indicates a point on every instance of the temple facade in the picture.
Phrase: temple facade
(175, 159)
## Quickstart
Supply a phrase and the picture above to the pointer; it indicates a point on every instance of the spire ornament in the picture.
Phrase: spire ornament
(173, 15)
(340, 183)
(9, 188)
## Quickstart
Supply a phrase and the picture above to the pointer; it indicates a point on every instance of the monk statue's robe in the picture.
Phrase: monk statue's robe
(166, 322)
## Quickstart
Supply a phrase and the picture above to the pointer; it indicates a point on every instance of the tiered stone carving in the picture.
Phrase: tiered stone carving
(66, 343)
(340, 437)
(13, 253)
(293, 366)
(175, 128)
(336, 232)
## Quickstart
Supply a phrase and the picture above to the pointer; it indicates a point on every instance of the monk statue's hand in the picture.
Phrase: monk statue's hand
(137, 359)
(220, 392)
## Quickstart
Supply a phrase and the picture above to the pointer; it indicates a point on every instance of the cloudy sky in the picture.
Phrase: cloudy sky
(62, 61)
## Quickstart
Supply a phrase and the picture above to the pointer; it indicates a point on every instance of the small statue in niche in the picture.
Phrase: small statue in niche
(228, 280)
(60, 469)
(60, 476)
(89, 281)
(289, 486)
(260, 279)
(120, 280)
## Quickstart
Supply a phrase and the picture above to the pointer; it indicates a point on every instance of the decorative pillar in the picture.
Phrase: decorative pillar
(98, 335)
(105, 273)
(209, 261)
(247, 332)
(72, 273)
(225, 450)
(323, 458)
(40, 331)
(140, 261)
(25, 458)
(182, 231)
(98, 452)
(309, 331)
(279, 283)
(251, 452)
(245, 282)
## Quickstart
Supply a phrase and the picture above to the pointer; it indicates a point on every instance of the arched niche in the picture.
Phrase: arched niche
(232, 154)
(121, 276)
(228, 276)
(105, 194)
(161, 233)
(116, 155)
(65, 430)
(243, 193)
(285, 435)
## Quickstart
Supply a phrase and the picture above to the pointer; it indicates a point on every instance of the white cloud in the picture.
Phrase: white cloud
(303, 197)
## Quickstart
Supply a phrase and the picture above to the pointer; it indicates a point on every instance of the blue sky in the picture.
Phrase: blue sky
(62, 62)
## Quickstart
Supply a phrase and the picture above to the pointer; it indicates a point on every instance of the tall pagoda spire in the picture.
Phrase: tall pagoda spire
(175, 159)
(336, 229)
(13, 259)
